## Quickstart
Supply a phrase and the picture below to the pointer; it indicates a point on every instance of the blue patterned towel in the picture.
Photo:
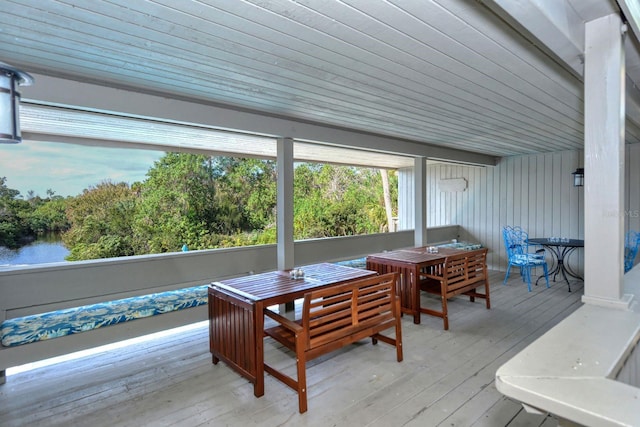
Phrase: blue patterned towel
(38, 327)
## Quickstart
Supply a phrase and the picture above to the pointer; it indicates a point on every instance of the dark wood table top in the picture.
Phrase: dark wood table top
(278, 287)
(547, 241)
(418, 255)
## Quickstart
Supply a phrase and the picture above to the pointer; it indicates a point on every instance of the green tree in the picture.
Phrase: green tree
(200, 201)
(204, 202)
(250, 185)
(175, 204)
(339, 201)
(14, 226)
(49, 216)
(101, 222)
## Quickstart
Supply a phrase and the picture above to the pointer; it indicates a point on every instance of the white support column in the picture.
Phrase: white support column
(420, 202)
(604, 89)
(285, 204)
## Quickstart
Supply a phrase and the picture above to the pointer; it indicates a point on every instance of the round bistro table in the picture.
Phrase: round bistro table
(560, 249)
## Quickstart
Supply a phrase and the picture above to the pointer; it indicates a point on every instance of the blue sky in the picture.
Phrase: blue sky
(68, 169)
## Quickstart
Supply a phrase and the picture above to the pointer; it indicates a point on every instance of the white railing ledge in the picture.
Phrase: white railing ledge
(570, 371)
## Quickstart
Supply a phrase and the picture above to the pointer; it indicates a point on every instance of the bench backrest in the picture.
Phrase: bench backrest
(464, 268)
(341, 314)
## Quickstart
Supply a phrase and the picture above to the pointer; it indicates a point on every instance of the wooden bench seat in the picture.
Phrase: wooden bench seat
(334, 317)
(460, 274)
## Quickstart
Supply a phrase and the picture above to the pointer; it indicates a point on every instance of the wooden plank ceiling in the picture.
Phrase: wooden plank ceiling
(459, 74)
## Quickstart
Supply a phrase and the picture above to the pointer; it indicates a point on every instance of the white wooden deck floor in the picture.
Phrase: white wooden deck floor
(446, 378)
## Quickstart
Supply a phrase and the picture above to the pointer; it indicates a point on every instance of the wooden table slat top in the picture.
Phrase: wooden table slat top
(236, 319)
(416, 255)
(276, 284)
(408, 263)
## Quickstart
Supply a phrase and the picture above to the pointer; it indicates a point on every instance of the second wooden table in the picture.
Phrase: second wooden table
(408, 263)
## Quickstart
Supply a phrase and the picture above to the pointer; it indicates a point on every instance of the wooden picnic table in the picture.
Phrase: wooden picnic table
(408, 263)
(236, 312)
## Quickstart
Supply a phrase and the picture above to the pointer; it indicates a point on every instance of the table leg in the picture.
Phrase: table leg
(236, 328)
(556, 264)
(258, 388)
(415, 289)
(407, 286)
(566, 252)
(557, 268)
(559, 254)
(563, 270)
(566, 269)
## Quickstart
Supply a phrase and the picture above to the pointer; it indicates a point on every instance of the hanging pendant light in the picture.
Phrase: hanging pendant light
(10, 78)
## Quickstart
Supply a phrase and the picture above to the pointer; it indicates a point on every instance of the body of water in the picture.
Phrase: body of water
(38, 252)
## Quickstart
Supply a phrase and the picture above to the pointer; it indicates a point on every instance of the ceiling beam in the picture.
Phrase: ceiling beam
(557, 29)
(552, 25)
(93, 97)
(631, 11)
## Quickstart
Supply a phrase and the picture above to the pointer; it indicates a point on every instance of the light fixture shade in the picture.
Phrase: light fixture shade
(578, 177)
(10, 78)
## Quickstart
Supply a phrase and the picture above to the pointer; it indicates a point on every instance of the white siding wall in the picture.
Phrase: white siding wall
(534, 191)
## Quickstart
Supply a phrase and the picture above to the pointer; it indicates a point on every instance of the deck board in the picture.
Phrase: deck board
(446, 378)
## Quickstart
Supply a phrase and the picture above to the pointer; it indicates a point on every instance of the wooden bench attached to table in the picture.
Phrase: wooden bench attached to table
(460, 274)
(334, 317)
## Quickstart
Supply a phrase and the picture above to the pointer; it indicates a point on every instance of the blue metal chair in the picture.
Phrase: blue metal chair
(518, 252)
(631, 241)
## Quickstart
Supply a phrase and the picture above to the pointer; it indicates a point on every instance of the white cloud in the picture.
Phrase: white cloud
(68, 169)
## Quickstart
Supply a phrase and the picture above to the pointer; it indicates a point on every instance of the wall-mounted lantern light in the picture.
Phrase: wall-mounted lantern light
(10, 78)
(578, 177)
